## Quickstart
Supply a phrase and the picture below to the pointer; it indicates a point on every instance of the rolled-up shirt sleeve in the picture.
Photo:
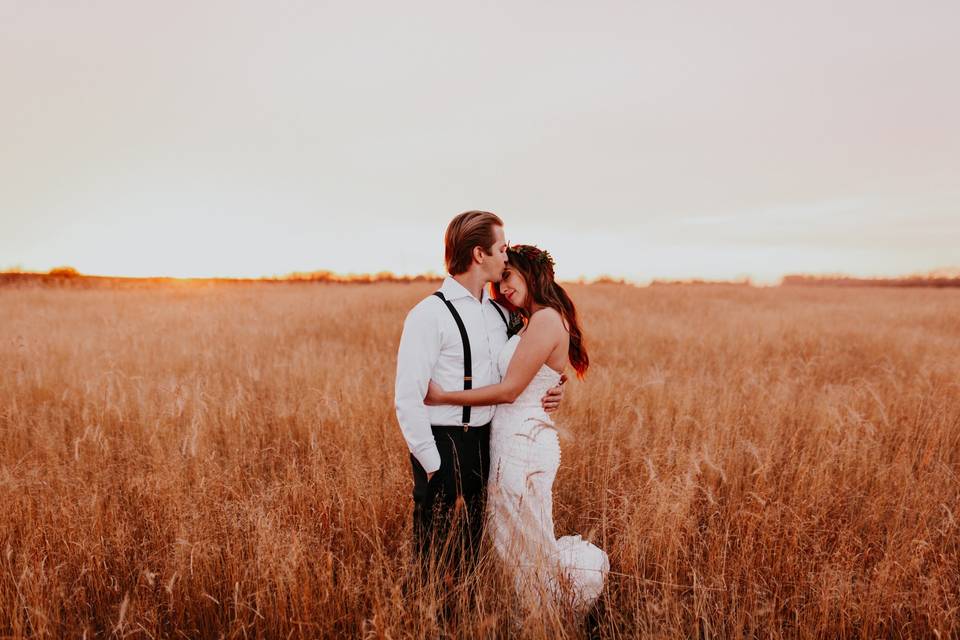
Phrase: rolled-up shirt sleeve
(416, 358)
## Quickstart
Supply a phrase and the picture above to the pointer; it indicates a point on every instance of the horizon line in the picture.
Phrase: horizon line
(327, 275)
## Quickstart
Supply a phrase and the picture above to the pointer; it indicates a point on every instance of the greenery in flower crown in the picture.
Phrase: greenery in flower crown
(533, 254)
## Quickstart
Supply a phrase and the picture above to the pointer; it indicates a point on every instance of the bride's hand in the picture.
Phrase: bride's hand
(434, 395)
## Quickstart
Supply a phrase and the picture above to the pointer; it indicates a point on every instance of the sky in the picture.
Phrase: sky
(634, 139)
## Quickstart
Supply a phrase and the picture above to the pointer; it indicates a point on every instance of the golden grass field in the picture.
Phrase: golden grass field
(188, 461)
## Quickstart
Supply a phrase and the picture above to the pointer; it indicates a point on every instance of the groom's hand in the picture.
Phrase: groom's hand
(551, 401)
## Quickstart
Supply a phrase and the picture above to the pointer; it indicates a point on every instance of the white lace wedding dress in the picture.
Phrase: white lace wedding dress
(524, 457)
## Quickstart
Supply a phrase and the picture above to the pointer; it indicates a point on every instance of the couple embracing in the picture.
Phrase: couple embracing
(478, 373)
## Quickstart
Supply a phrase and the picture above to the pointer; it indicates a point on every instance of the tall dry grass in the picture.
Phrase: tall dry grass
(225, 462)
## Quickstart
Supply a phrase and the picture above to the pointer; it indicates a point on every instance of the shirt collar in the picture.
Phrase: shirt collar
(452, 290)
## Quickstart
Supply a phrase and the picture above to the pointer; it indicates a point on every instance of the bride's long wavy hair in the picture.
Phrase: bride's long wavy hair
(536, 268)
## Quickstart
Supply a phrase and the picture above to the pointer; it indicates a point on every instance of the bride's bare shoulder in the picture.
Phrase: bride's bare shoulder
(547, 319)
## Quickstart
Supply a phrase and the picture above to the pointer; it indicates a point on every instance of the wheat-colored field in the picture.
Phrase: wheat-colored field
(225, 461)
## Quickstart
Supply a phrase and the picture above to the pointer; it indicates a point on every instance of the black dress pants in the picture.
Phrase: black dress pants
(448, 511)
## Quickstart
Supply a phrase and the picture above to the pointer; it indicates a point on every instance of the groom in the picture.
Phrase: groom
(454, 337)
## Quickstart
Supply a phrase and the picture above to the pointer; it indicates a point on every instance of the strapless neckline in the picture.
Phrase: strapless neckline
(544, 368)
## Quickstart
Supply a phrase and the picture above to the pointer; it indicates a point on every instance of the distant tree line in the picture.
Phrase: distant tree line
(845, 281)
(71, 277)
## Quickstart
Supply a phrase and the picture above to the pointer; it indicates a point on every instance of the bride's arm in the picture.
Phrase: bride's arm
(540, 338)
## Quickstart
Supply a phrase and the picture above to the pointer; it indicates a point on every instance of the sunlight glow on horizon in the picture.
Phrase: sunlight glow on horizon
(408, 250)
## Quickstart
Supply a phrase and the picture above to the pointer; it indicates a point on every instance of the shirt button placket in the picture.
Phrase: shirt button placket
(491, 363)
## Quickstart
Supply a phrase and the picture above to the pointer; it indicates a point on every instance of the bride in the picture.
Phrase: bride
(524, 448)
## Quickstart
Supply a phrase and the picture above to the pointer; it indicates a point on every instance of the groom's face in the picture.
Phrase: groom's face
(497, 260)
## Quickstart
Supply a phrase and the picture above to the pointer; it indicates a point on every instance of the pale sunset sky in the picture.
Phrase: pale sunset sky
(637, 139)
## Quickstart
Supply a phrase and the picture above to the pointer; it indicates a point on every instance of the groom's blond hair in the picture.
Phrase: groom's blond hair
(468, 230)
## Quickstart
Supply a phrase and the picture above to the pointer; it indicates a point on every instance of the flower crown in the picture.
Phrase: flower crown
(533, 254)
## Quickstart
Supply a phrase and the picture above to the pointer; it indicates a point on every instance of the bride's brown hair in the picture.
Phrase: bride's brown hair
(536, 268)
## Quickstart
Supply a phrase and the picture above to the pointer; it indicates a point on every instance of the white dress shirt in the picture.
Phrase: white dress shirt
(431, 348)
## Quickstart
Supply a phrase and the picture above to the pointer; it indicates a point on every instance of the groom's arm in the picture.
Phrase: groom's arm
(416, 358)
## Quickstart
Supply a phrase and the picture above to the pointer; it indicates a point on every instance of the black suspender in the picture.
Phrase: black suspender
(500, 311)
(467, 355)
(511, 329)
